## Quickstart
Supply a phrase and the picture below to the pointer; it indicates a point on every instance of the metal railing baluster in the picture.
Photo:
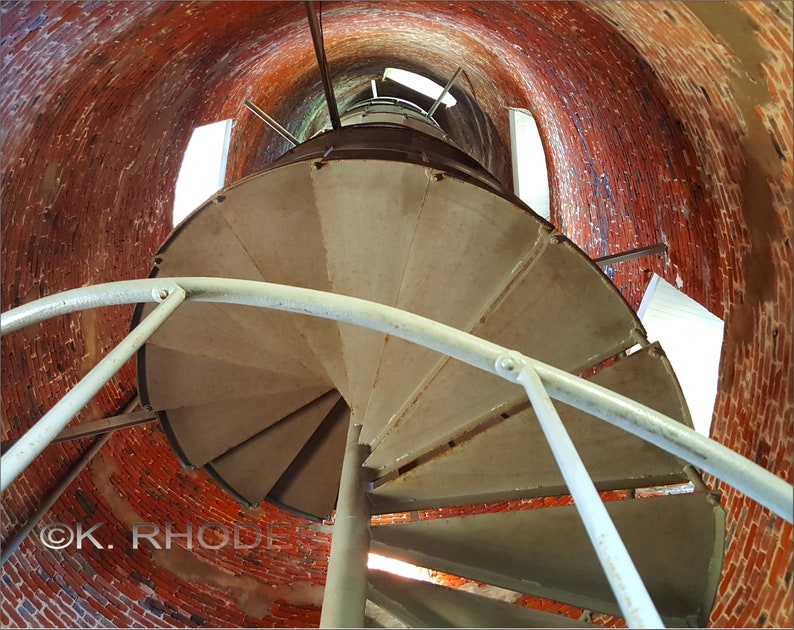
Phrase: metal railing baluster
(635, 603)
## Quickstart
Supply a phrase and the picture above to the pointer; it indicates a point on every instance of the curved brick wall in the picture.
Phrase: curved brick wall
(662, 121)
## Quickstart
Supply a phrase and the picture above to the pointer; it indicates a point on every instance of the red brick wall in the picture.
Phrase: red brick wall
(660, 124)
(731, 88)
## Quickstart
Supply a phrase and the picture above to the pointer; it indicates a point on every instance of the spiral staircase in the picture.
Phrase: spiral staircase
(387, 209)
(322, 404)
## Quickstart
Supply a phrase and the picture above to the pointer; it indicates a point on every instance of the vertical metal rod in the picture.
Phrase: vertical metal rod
(659, 248)
(346, 584)
(319, 51)
(44, 431)
(271, 122)
(446, 89)
(374, 88)
(627, 585)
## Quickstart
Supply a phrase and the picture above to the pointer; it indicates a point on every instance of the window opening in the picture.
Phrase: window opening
(418, 83)
(203, 168)
(398, 567)
(691, 337)
(530, 175)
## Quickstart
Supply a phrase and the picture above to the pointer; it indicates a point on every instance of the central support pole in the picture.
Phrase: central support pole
(346, 585)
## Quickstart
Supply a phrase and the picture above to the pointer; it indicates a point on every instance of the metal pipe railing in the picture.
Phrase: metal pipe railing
(635, 603)
(659, 429)
(540, 380)
(44, 431)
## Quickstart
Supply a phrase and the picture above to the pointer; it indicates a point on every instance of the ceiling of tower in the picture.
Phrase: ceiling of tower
(662, 122)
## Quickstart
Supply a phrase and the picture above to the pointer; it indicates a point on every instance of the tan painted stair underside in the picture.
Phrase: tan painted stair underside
(262, 399)
(391, 232)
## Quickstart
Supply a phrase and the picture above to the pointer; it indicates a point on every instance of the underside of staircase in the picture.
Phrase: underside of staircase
(263, 399)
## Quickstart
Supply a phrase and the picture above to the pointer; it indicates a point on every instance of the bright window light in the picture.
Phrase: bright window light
(203, 168)
(420, 84)
(397, 567)
(530, 177)
(691, 337)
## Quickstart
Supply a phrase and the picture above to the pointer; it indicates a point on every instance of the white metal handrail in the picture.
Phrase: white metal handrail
(539, 379)
(662, 431)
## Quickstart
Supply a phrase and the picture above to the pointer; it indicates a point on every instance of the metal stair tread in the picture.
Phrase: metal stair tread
(252, 468)
(511, 459)
(208, 330)
(367, 239)
(178, 379)
(427, 605)
(534, 317)
(200, 433)
(204, 329)
(274, 216)
(676, 543)
(205, 244)
(310, 484)
(486, 242)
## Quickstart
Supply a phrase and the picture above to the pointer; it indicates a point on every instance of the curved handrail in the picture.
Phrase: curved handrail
(541, 382)
(640, 420)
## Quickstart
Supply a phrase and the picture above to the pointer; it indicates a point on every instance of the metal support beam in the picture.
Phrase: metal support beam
(96, 427)
(659, 248)
(271, 122)
(322, 62)
(627, 585)
(346, 584)
(44, 431)
(13, 544)
(446, 89)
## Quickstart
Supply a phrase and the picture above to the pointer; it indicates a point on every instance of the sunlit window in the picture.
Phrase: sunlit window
(203, 168)
(418, 83)
(397, 567)
(530, 176)
(691, 337)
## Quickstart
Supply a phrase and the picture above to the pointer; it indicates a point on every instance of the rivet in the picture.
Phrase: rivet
(508, 364)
